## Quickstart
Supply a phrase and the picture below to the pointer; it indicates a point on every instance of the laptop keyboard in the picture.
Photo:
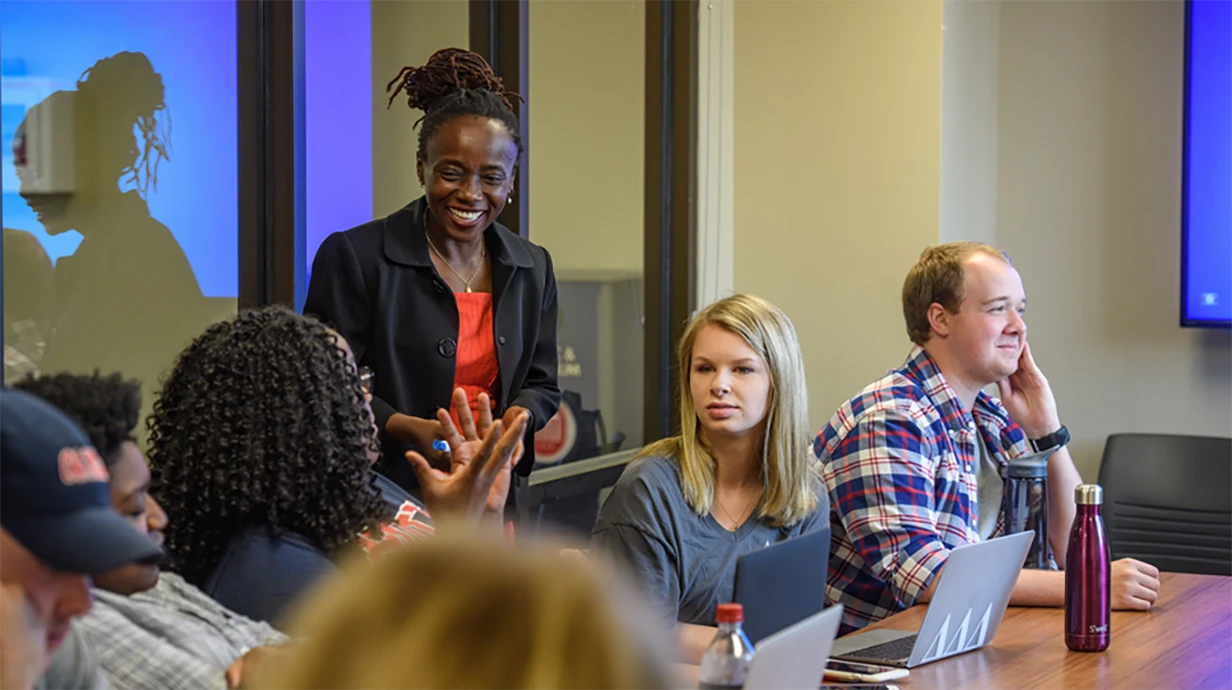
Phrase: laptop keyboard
(894, 650)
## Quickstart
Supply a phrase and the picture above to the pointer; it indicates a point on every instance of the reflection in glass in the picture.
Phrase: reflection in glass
(120, 240)
(27, 299)
(587, 87)
(126, 300)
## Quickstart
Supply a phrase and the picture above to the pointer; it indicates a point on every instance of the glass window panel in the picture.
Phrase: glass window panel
(587, 105)
(360, 151)
(120, 229)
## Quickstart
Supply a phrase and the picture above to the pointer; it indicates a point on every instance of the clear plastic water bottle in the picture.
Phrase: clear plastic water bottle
(1026, 505)
(726, 661)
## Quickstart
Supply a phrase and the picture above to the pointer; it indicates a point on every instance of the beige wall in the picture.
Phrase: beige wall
(404, 33)
(969, 50)
(586, 98)
(837, 164)
(1066, 114)
(1089, 125)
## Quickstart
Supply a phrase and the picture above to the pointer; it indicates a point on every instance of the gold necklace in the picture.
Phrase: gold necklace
(482, 252)
(735, 523)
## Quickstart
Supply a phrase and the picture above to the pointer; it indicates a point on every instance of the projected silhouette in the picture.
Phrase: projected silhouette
(127, 299)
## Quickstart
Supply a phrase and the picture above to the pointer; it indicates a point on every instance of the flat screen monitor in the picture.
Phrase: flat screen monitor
(1206, 200)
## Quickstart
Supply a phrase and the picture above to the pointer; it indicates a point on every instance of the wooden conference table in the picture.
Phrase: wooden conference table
(1184, 641)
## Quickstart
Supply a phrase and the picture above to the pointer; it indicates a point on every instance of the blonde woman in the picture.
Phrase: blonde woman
(444, 614)
(738, 478)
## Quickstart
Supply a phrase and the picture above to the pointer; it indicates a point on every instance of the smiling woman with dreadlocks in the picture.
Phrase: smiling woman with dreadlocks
(439, 295)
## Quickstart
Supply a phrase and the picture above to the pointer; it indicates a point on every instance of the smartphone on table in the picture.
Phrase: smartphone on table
(853, 672)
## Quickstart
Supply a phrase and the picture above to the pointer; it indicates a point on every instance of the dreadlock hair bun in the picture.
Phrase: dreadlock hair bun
(455, 82)
(124, 90)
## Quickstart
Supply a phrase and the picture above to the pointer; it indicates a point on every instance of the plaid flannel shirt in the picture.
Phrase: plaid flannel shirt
(172, 636)
(899, 462)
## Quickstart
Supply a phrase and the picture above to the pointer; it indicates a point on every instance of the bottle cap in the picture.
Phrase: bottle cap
(730, 613)
(440, 445)
(1033, 466)
(1089, 495)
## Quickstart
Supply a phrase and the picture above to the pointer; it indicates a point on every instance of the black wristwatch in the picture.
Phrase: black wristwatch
(1056, 439)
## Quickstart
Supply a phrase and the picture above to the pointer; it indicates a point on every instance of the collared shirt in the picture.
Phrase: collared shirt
(172, 636)
(900, 464)
(74, 665)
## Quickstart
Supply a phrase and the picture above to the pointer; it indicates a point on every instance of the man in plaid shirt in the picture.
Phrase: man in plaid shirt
(913, 463)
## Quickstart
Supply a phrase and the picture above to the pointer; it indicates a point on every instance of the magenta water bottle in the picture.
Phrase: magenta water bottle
(726, 661)
(1088, 576)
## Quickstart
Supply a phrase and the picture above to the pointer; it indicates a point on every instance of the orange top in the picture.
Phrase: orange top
(475, 359)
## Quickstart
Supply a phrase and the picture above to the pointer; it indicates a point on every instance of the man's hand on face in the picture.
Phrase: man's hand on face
(1028, 397)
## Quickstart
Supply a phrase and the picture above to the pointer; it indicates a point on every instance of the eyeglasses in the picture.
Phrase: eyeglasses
(366, 380)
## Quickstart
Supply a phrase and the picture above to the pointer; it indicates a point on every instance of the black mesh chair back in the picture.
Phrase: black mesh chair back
(1168, 501)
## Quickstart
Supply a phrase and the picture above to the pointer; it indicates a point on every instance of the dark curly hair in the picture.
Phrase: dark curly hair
(107, 408)
(455, 82)
(262, 421)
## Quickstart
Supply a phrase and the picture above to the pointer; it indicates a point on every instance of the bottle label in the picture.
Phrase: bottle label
(1097, 629)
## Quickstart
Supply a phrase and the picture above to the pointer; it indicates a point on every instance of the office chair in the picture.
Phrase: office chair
(566, 492)
(1168, 501)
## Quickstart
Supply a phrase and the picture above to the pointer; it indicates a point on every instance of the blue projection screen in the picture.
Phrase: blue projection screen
(45, 46)
(1206, 201)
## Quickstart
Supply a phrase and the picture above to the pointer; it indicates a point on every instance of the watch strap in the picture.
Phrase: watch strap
(1056, 439)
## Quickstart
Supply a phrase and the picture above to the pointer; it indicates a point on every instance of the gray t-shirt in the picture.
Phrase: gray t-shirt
(991, 489)
(685, 563)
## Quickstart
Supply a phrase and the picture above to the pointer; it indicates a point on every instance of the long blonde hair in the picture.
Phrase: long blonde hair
(789, 476)
(445, 614)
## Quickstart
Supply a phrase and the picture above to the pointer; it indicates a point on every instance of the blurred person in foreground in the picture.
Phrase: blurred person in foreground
(446, 614)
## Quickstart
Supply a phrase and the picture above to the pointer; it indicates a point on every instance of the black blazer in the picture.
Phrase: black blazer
(376, 285)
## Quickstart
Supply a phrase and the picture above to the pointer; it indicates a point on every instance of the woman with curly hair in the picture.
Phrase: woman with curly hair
(181, 637)
(261, 444)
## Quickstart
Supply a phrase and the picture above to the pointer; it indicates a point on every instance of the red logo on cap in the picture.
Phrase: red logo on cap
(81, 465)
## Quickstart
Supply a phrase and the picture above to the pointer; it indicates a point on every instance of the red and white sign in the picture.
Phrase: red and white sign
(554, 441)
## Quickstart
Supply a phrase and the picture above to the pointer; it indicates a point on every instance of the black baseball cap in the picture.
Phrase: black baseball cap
(53, 492)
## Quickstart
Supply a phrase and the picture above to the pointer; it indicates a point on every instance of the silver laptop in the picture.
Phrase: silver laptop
(963, 615)
(794, 658)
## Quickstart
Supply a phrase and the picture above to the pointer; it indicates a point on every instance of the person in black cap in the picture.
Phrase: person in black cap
(147, 629)
(56, 522)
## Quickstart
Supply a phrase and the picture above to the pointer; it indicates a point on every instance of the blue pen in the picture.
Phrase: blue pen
(439, 444)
